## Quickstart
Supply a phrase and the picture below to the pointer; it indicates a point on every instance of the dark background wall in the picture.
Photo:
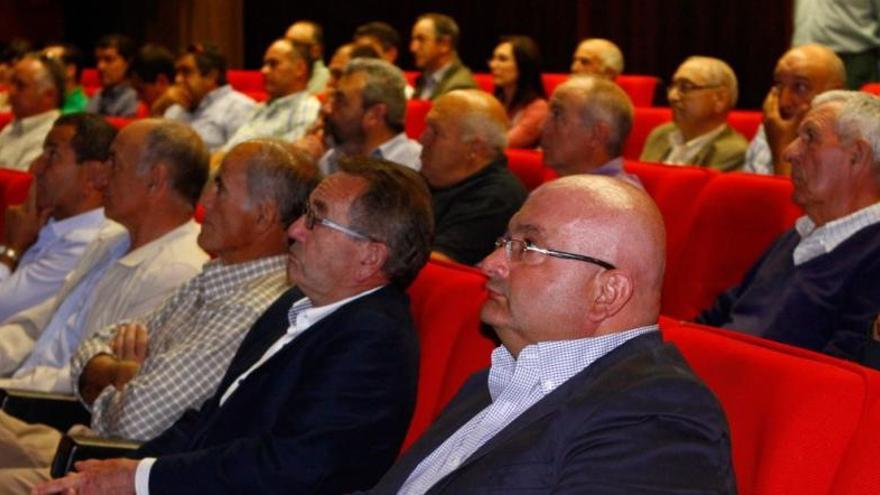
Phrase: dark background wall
(655, 35)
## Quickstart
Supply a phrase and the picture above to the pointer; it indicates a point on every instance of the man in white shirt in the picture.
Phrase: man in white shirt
(70, 178)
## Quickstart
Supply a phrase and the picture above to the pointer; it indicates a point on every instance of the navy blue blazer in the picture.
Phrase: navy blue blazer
(636, 421)
(326, 414)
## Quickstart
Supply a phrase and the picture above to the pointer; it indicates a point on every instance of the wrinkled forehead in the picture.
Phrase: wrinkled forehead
(336, 193)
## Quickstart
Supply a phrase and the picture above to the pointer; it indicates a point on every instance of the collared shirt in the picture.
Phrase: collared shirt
(759, 157)
(43, 267)
(614, 168)
(822, 240)
(286, 118)
(432, 80)
(515, 385)
(120, 101)
(216, 118)
(320, 76)
(21, 141)
(301, 316)
(193, 337)
(400, 149)
(110, 284)
(684, 153)
(852, 26)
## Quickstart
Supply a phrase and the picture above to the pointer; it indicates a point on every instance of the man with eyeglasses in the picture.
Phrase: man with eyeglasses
(583, 396)
(703, 91)
(320, 393)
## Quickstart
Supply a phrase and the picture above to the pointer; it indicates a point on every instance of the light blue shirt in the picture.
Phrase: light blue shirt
(759, 158)
(515, 385)
(43, 267)
(400, 149)
(217, 117)
(286, 118)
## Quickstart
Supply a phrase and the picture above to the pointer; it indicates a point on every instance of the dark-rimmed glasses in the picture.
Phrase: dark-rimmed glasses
(515, 250)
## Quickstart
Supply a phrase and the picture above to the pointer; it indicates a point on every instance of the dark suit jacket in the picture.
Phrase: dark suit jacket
(457, 77)
(727, 152)
(635, 421)
(326, 414)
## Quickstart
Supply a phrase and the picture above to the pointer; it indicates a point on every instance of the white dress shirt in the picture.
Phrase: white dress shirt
(822, 240)
(21, 141)
(400, 149)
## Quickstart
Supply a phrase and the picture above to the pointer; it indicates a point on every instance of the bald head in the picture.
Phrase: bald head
(802, 73)
(597, 57)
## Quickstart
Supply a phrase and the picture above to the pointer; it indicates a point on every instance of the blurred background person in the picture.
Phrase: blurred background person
(516, 74)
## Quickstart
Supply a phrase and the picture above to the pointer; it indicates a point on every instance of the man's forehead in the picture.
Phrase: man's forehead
(338, 190)
(692, 71)
(424, 26)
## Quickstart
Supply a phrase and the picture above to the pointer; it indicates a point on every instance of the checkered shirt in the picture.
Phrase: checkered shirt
(759, 157)
(816, 241)
(193, 337)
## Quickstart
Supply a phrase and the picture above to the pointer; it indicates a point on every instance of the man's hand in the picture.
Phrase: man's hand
(781, 129)
(23, 224)
(175, 94)
(114, 476)
(313, 141)
(130, 346)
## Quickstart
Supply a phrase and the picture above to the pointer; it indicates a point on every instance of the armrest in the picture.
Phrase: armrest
(74, 448)
(56, 410)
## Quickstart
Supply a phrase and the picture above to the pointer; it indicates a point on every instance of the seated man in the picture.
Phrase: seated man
(597, 57)
(818, 286)
(702, 93)
(311, 35)
(582, 396)
(320, 393)
(382, 37)
(69, 177)
(801, 73)
(35, 94)
(157, 170)
(139, 378)
(473, 192)
(152, 74)
(291, 110)
(434, 46)
(204, 100)
(71, 58)
(589, 121)
(116, 97)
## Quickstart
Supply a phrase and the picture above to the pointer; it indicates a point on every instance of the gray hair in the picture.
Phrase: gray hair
(282, 174)
(603, 101)
(718, 73)
(609, 53)
(385, 83)
(858, 118)
(484, 118)
(183, 151)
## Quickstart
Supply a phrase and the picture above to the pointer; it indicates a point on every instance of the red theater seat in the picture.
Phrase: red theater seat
(640, 88)
(5, 118)
(90, 78)
(552, 80)
(645, 119)
(528, 166)
(873, 88)
(416, 111)
(745, 122)
(119, 122)
(484, 81)
(14, 186)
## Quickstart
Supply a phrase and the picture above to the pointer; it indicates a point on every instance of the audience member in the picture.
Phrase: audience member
(71, 58)
(140, 377)
(291, 110)
(818, 286)
(10, 54)
(516, 74)
(47, 236)
(204, 100)
(589, 121)
(434, 46)
(311, 34)
(801, 74)
(325, 382)
(597, 57)
(152, 74)
(116, 97)
(365, 114)
(382, 37)
(463, 161)
(583, 396)
(157, 170)
(702, 93)
(35, 95)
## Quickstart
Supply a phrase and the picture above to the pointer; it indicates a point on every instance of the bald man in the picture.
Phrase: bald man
(801, 74)
(473, 192)
(582, 396)
(702, 92)
(597, 57)
(311, 35)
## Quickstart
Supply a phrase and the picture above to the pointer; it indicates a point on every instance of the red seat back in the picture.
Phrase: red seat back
(873, 88)
(640, 88)
(5, 118)
(249, 82)
(745, 122)
(645, 119)
(119, 122)
(90, 78)
(484, 81)
(416, 111)
(528, 166)
(14, 186)
(550, 82)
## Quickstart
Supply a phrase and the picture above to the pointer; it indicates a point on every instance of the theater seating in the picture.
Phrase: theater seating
(528, 166)
(873, 88)
(249, 82)
(800, 422)
(416, 111)
(641, 89)
(5, 118)
(14, 187)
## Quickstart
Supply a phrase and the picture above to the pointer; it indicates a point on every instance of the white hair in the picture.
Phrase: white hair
(857, 118)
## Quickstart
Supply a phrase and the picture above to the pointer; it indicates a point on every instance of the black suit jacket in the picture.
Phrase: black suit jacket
(326, 414)
(635, 421)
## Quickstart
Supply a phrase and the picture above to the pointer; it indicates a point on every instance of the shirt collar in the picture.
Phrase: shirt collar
(816, 241)
(438, 74)
(151, 249)
(60, 228)
(386, 148)
(303, 315)
(27, 123)
(611, 168)
(219, 279)
(287, 99)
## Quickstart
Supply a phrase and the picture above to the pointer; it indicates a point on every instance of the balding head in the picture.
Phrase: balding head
(466, 130)
(802, 73)
(602, 273)
(37, 86)
(597, 57)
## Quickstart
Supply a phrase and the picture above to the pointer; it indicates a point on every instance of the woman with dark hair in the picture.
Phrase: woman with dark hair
(516, 73)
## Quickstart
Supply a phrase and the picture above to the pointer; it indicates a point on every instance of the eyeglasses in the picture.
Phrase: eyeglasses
(515, 250)
(685, 87)
(312, 219)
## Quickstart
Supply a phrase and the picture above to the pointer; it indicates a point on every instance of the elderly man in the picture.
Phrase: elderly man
(589, 121)
(434, 46)
(324, 383)
(116, 97)
(204, 100)
(311, 35)
(818, 286)
(801, 74)
(157, 170)
(47, 236)
(597, 57)
(152, 74)
(583, 396)
(291, 110)
(702, 92)
(365, 115)
(35, 94)
(71, 58)
(140, 378)
(473, 192)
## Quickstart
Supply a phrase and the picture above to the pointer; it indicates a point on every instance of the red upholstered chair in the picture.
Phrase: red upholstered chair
(800, 422)
(484, 81)
(745, 122)
(645, 119)
(552, 80)
(528, 166)
(873, 88)
(416, 111)
(446, 300)
(5, 118)
(640, 88)
(411, 76)
(737, 217)
(14, 186)
(90, 78)
(119, 122)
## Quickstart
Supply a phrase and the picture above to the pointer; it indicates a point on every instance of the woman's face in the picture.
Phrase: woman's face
(503, 66)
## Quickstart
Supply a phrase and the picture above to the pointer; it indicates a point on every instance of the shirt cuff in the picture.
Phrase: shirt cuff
(142, 476)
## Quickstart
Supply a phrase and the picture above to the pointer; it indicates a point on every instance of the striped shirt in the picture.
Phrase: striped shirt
(816, 241)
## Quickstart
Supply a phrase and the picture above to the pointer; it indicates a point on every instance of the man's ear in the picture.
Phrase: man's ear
(267, 216)
(158, 178)
(861, 156)
(375, 115)
(372, 261)
(614, 288)
(95, 174)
